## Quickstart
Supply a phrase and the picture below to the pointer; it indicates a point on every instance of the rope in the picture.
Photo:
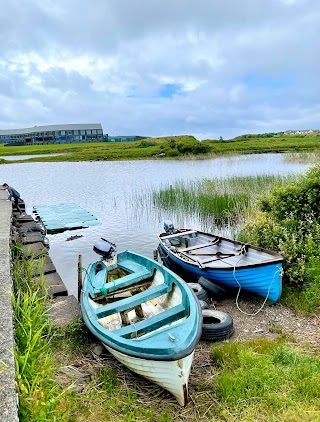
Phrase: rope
(161, 253)
(82, 269)
(265, 300)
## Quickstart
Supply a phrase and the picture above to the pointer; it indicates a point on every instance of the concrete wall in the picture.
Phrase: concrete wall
(8, 394)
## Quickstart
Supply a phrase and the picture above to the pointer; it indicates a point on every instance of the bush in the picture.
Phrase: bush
(146, 144)
(289, 223)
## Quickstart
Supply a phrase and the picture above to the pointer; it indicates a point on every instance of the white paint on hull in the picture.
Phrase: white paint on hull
(173, 376)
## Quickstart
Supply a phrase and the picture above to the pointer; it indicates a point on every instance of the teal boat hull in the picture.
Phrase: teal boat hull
(161, 337)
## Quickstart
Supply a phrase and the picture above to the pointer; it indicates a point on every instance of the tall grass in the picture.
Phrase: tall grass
(303, 157)
(216, 202)
(33, 333)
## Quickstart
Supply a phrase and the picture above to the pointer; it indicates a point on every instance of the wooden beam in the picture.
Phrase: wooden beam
(170, 236)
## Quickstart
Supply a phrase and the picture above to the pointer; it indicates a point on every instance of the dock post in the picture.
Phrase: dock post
(79, 276)
(155, 254)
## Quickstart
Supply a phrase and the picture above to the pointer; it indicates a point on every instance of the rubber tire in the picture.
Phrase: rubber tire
(216, 325)
(203, 304)
(199, 291)
(214, 291)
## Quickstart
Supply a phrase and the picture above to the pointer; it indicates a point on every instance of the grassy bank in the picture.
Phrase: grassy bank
(173, 147)
(61, 376)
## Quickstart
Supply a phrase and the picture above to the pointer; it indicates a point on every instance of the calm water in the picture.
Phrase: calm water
(26, 157)
(112, 192)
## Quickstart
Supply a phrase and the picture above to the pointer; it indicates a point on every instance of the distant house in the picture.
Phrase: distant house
(130, 138)
(53, 134)
(300, 132)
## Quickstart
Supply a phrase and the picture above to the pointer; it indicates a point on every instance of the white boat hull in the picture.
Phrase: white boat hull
(173, 376)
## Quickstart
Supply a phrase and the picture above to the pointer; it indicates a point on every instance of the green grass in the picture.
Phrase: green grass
(263, 380)
(173, 147)
(216, 202)
(37, 391)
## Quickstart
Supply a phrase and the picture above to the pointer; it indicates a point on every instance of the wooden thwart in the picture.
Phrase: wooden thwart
(171, 236)
(200, 246)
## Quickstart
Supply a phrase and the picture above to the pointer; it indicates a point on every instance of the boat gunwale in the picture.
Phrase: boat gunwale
(277, 258)
(94, 327)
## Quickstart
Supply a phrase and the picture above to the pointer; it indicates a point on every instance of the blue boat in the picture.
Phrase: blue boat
(226, 262)
(144, 314)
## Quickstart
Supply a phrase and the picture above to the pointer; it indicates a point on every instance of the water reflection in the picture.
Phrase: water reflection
(112, 192)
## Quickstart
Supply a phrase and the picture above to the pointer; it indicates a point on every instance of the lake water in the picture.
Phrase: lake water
(26, 157)
(113, 191)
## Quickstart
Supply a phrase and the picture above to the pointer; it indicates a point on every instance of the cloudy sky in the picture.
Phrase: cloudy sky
(207, 68)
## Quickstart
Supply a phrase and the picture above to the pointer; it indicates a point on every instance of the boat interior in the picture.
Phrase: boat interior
(205, 250)
(133, 301)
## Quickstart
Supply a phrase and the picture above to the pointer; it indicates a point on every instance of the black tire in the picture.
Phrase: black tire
(203, 304)
(199, 291)
(214, 291)
(216, 325)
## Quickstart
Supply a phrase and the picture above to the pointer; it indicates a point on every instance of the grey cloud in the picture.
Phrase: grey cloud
(242, 65)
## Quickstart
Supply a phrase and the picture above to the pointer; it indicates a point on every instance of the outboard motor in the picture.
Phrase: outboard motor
(104, 248)
(168, 227)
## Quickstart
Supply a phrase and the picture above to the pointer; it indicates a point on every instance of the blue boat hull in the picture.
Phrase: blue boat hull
(264, 281)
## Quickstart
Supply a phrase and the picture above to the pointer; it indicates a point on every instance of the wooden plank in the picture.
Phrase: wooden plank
(171, 236)
(132, 302)
(152, 323)
(204, 245)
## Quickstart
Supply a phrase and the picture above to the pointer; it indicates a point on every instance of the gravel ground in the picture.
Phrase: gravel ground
(271, 321)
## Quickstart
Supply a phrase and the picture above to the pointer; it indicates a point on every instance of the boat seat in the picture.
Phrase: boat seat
(153, 323)
(126, 281)
(199, 246)
(132, 301)
(137, 273)
(131, 266)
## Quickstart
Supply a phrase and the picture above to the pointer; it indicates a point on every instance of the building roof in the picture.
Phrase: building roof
(35, 129)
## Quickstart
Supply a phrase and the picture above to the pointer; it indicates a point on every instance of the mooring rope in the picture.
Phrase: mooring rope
(279, 270)
(82, 269)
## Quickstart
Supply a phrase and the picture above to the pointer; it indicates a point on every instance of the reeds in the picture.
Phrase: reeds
(216, 202)
(33, 332)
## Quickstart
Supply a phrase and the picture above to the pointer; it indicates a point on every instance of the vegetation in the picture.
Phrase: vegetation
(38, 393)
(289, 222)
(263, 380)
(168, 147)
(218, 201)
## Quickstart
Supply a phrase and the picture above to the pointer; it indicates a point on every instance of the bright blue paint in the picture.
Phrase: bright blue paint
(264, 280)
(157, 345)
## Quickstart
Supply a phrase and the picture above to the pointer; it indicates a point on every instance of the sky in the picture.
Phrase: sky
(207, 68)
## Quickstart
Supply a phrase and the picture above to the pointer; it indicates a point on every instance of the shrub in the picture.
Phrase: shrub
(289, 223)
